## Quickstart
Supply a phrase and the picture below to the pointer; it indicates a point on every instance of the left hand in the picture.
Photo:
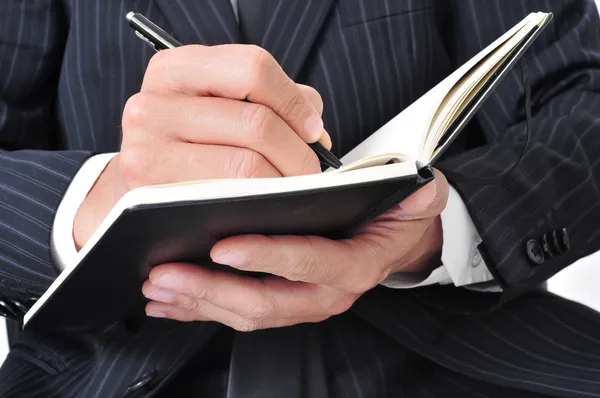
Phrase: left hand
(311, 278)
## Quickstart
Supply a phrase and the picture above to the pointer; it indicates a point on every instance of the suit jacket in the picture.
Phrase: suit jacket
(67, 67)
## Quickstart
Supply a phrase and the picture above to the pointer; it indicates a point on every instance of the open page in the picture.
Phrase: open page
(460, 95)
(406, 133)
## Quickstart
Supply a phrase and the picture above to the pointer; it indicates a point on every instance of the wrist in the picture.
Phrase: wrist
(427, 255)
(100, 199)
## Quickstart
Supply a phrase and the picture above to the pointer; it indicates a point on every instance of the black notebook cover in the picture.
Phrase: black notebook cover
(106, 285)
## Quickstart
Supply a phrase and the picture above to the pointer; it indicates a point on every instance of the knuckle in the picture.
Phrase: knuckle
(133, 164)
(263, 309)
(308, 264)
(159, 62)
(261, 123)
(335, 304)
(201, 294)
(364, 283)
(295, 104)
(188, 304)
(260, 62)
(244, 163)
(315, 98)
(341, 306)
(135, 111)
(378, 250)
(363, 279)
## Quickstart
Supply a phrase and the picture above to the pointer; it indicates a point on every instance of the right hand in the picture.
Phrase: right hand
(189, 122)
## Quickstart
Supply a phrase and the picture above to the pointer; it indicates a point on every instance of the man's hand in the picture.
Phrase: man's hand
(313, 278)
(189, 123)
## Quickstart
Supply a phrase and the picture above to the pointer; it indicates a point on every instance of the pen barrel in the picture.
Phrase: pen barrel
(150, 32)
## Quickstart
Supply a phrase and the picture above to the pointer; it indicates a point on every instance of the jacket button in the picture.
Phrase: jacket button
(7, 310)
(19, 306)
(546, 246)
(535, 252)
(140, 383)
(562, 240)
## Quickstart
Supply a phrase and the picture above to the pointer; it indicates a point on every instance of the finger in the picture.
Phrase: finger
(238, 72)
(220, 121)
(315, 98)
(184, 162)
(427, 202)
(309, 259)
(248, 297)
(209, 312)
(158, 309)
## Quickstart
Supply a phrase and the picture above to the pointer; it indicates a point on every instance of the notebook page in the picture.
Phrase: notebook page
(403, 134)
(458, 99)
(406, 132)
(468, 97)
(461, 90)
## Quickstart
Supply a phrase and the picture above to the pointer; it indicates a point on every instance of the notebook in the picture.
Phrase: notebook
(181, 222)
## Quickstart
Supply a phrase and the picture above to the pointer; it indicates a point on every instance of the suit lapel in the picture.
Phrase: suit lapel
(291, 31)
(208, 22)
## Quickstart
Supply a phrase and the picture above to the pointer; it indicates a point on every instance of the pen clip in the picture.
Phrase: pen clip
(141, 36)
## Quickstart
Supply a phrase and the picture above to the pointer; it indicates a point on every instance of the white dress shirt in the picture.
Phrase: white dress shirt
(462, 264)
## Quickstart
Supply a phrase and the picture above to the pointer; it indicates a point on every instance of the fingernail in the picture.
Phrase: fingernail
(232, 258)
(157, 315)
(326, 140)
(161, 295)
(313, 128)
(433, 193)
(167, 281)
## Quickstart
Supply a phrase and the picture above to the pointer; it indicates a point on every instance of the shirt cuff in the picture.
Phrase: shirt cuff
(462, 263)
(460, 255)
(64, 251)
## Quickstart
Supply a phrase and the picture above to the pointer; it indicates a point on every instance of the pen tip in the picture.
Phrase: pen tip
(129, 15)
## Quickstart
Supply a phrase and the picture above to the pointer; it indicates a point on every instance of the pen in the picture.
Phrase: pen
(158, 39)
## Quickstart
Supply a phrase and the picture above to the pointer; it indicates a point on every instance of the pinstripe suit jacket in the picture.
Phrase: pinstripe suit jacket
(68, 66)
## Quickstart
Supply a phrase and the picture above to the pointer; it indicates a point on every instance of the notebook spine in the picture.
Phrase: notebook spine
(425, 173)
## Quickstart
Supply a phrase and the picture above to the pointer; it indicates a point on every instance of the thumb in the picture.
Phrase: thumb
(428, 201)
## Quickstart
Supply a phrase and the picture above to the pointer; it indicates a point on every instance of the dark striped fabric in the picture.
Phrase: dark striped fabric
(67, 67)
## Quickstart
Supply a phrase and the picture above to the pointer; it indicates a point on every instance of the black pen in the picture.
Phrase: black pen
(158, 39)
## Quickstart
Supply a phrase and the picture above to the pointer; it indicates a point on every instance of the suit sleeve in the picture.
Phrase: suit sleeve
(555, 185)
(34, 174)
